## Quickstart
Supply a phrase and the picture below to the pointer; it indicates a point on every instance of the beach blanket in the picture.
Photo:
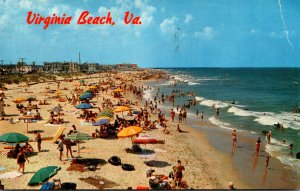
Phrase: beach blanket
(83, 123)
(99, 182)
(10, 175)
(147, 156)
(52, 125)
(2, 168)
(58, 133)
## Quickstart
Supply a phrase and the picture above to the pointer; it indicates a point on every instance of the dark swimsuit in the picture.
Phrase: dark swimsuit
(21, 159)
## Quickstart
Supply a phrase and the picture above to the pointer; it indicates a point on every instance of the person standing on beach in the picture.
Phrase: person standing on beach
(267, 161)
(21, 159)
(172, 114)
(197, 112)
(269, 137)
(184, 115)
(38, 139)
(234, 140)
(178, 174)
(180, 117)
(257, 146)
(202, 115)
(60, 147)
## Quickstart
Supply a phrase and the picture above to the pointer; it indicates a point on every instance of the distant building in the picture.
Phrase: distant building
(24, 68)
(61, 67)
(88, 67)
(126, 66)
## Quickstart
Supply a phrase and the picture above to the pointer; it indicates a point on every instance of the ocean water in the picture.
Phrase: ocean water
(263, 97)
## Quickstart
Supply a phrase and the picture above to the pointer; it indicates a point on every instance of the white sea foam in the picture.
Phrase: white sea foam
(192, 83)
(219, 123)
(288, 120)
(148, 94)
(214, 103)
(241, 112)
(198, 98)
(280, 150)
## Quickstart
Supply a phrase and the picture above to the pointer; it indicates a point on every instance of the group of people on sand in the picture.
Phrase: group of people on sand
(162, 182)
(55, 119)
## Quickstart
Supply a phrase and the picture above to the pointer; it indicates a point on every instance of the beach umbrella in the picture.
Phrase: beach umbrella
(92, 87)
(107, 113)
(13, 138)
(57, 109)
(104, 117)
(31, 98)
(86, 96)
(78, 137)
(27, 118)
(101, 122)
(145, 140)
(129, 131)
(43, 175)
(83, 106)
(122, 109)
(19, 100)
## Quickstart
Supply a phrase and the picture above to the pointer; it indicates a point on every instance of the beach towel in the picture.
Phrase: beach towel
(2, 168)
(58, 133)
(10, 175)
(52, 125)
(83, 123)
(147, 156)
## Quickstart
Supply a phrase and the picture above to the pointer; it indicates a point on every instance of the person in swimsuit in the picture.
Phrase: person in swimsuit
(60, 147)
(21, 159)
(38, 139)
(172, 114)
(178, 173)
(257, 146)
(269, 137)
(234, 140)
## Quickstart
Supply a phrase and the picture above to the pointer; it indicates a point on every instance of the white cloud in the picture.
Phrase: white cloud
(188, 18)
(207, 33)
(168, 25)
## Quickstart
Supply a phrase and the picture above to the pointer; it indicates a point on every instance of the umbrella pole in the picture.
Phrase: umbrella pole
(27, 125)
(78, 150)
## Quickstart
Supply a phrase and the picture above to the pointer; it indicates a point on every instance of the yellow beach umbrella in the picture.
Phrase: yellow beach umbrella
(92, 87)
(129, 131)
(19, 99)
(122, 109)
(104, 117)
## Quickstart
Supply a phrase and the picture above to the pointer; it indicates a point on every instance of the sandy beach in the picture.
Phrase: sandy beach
(198, 172)
(207, 160)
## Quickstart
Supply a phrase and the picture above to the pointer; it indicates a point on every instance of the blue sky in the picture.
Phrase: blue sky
(174, 33)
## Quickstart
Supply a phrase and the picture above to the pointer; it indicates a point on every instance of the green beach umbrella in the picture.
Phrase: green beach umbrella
(107, 112)
(13, 138)
(43, 175)
(78, 137)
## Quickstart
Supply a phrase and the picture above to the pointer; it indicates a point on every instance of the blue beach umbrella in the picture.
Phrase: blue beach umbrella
(86, 96)
(101, 122)
(83, 106)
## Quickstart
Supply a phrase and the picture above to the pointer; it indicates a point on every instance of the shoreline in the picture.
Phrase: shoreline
(275, 177)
